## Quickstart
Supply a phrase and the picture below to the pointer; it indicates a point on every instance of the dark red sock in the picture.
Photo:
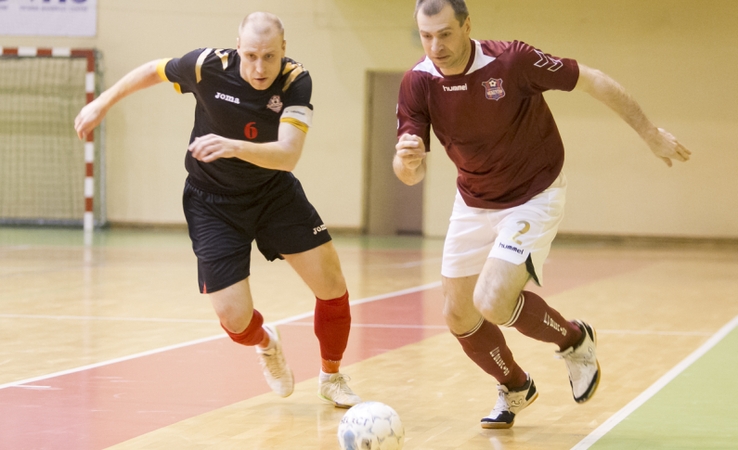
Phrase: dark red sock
(534, 318)
(253, 334)
(486, 346)
(332, 325)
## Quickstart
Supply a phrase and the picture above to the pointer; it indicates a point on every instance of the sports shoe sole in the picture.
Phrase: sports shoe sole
(596, 382)
(331, 402)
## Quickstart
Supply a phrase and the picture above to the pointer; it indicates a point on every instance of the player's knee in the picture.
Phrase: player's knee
(235, 320)
(333, 285)
(454, 316)
(495, 306)
(251, 334)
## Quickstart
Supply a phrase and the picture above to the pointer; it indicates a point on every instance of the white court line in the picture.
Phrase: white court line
(619, 416)
(381, 325)
(111, 361)
(96, 318)
(444, 327)
(200, 341)
(654, 332)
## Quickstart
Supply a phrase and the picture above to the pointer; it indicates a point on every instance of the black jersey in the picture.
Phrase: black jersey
(230, 107)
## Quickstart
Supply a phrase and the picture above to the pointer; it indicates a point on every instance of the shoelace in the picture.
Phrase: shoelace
(502, 404)
(339, 384)
(271, 362)
(578, 357)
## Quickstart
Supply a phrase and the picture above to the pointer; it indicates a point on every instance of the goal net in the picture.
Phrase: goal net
(47, 175)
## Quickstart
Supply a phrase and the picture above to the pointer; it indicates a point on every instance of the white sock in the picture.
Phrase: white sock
(324, 376)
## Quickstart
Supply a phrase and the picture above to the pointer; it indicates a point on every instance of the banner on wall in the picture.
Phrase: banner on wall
(48, 17)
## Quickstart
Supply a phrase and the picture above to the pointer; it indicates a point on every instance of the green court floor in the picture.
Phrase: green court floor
(696, 410)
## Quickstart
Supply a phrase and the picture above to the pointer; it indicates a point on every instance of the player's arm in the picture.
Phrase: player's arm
(93, 113)
(282, 154)
(611, 93)
(409, 161)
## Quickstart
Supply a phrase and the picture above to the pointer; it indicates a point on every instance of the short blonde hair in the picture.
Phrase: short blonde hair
(261, 22)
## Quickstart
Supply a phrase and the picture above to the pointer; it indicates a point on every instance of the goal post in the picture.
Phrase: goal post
(47, 175)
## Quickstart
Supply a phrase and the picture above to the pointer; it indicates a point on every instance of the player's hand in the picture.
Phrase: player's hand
(210, 147)
(88, 118)
(665, 146)
(410, 150)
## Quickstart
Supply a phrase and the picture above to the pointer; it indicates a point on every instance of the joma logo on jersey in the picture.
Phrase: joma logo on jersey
(228, 98)
(317, 230)
(461, 87)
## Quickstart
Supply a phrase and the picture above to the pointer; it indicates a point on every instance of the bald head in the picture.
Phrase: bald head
(261, 24)
(261, 47)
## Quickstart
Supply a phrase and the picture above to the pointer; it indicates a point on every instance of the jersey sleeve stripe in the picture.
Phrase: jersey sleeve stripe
(299, 116)
(296, 71)
(160, 68)
(296, 123)
(223, 57)
(200, 62)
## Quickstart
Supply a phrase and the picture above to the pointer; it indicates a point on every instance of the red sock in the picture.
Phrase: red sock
(254, 334)
(534, 318)
(486, 346)
(332, 325)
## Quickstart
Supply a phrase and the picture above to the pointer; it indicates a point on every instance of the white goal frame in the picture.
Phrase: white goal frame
(91, 80)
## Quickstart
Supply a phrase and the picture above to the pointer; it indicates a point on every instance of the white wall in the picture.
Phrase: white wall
(677, 57)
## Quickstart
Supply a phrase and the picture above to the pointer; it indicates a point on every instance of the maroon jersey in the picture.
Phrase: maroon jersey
(492, 119)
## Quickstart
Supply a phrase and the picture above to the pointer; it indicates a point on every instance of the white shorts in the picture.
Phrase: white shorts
(521, 234)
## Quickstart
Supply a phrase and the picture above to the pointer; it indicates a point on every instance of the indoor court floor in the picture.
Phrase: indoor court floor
(110, 345)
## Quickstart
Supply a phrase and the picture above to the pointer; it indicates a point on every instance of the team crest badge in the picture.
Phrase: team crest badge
(275, 103)
(493, 89)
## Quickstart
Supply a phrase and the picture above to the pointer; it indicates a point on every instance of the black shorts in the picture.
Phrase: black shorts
(279, 217)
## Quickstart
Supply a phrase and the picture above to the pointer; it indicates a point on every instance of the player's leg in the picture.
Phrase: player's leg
(523, 243)
(468, 242)
(481, 339)
(320, 268)
(245, 326)
(485, 344)
(292, 229)
(500, 298)
(223, 261)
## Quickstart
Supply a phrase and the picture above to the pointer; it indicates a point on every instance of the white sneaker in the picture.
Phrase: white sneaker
(334, 390)
(509, 403)
(581, 361)
(276, 371)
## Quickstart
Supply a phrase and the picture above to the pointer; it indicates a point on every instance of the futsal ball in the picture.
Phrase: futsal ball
(371, 426)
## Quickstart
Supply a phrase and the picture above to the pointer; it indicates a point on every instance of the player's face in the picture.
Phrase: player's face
(445, 41)
(261, 57)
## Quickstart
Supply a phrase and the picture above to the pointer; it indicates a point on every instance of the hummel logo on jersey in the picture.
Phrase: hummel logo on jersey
(519, 251)
(228, 98)
(317, 230)
(461, 87)
(547, 61)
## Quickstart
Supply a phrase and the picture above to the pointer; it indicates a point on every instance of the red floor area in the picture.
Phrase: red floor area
(97, 408)
(100, 407)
